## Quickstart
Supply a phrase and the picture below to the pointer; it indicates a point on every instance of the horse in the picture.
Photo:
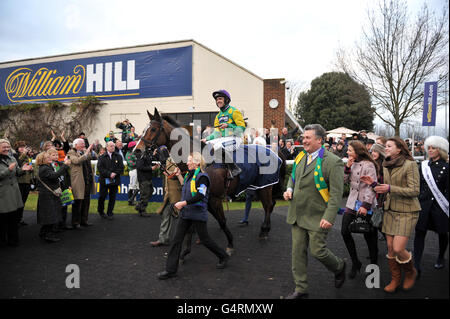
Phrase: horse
(157, 133)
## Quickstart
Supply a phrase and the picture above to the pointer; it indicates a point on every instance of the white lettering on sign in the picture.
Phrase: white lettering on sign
(109, 75)
(96, 77)
(119, 84)
(132, 83)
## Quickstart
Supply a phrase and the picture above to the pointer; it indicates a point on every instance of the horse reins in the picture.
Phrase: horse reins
(152, 142)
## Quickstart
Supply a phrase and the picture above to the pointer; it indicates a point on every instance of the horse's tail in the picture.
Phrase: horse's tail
(279, 187)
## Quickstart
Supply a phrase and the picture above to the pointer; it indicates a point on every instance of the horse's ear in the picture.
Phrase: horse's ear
(157, 116)
(150, 116)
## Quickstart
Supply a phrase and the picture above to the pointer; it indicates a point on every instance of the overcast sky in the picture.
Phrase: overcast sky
(296, 40)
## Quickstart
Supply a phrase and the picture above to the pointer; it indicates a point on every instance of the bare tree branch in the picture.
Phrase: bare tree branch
(396, 57)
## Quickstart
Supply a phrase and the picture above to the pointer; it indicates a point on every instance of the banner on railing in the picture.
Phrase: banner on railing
(122, 194)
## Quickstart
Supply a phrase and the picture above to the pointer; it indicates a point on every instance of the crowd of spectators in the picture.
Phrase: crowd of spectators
(61, 166)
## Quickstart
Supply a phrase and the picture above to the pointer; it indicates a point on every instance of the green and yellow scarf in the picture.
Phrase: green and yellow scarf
(193, 186)
(321, 185)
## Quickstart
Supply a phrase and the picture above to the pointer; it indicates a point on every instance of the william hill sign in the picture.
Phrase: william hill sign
(150, 74)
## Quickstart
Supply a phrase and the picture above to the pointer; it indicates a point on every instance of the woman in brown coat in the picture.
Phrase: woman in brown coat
(359, 164)
(401, 209)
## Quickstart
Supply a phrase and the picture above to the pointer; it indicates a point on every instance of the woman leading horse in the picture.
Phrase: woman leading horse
(163, 130)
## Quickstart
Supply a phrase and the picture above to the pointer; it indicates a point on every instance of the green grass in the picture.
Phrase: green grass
(122, 207)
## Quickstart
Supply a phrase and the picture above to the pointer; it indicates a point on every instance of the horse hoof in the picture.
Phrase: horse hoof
(230, 251)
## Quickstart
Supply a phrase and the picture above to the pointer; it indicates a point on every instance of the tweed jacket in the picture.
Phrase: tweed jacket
(308, 207)
(405, 188)
(359, 190)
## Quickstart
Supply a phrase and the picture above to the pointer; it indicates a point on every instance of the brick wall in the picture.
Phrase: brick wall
(273, 89)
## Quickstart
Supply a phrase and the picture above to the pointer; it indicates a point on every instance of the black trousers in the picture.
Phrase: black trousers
(146, 189)
(46, 229)
(80, 209)
(9, 228)
(24, 191)
(63, 218)
(419, 245)
(104, 190)
(202, 231)
(370, 238)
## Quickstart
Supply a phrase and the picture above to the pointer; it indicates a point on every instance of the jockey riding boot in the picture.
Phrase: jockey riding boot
(133, 196)
(130, 194)
(232, 167)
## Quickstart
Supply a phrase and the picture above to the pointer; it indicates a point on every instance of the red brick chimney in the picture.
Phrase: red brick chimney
(274, 89)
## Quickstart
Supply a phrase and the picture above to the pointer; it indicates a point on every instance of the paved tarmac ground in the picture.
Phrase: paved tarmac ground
(116, 261)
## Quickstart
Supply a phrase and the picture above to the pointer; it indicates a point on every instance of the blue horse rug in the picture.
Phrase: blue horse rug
(260, 167)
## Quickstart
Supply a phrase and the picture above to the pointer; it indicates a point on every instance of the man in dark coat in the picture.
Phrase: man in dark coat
(145, 169)
(363, 136)
(125, 126)
(110, 166)
(288, 135)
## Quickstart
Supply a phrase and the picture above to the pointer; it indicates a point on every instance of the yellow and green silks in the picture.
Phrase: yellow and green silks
(319, 180)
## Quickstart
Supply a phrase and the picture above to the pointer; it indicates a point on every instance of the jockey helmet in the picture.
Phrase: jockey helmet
(224, 94)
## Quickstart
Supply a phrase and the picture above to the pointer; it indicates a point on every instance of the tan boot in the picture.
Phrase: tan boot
(396, 275)
(410, 272)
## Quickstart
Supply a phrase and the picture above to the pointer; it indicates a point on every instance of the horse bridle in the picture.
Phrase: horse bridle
(153, 141)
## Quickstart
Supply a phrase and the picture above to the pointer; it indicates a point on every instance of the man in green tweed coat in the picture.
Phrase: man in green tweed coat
(315, 188)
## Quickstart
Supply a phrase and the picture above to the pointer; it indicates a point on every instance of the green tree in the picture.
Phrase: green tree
(335, 100)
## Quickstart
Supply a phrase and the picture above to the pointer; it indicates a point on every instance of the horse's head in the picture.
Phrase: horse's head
(154, 134)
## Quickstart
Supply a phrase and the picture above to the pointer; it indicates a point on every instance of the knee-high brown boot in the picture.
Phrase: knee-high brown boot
(410, 272)
(396, 275)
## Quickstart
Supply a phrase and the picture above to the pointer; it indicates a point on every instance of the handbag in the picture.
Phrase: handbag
(377, 217)
(360, 225)
(57, 192)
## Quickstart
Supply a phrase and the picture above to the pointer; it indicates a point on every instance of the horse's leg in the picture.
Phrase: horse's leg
(187, 244)
(216, 209)
(268, 203)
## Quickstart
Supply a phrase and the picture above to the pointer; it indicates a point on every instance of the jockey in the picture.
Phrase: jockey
(229, 127)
